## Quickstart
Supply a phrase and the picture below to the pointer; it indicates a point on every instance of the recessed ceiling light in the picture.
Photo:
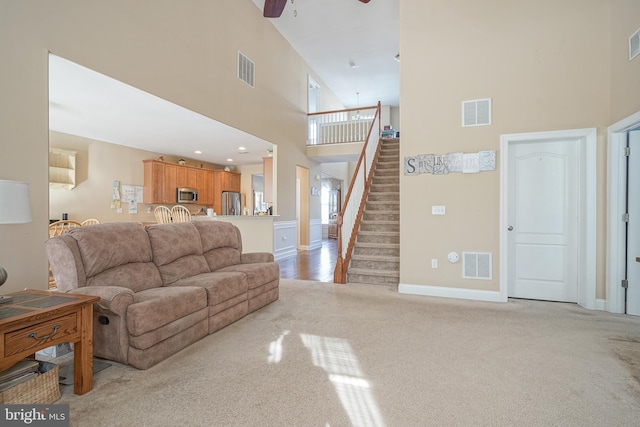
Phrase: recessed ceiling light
(229, 160)
(242, 148)
(198, 152)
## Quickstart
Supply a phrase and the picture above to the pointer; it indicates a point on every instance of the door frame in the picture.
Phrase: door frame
(587, 209)
(616, 207)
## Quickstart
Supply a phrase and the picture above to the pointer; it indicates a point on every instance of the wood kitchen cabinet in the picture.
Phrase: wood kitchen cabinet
(170, 183)
(161, 180)
(230, 181)
(192, 178)
(223, 181)
(181, 180)
(153, 182)
(204, 184)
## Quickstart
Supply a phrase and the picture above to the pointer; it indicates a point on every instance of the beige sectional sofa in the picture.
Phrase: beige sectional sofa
(162, 287)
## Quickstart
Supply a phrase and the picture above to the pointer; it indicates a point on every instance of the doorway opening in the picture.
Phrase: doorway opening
(617, 188)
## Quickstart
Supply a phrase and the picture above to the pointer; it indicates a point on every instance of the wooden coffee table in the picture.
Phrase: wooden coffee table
(36, 319)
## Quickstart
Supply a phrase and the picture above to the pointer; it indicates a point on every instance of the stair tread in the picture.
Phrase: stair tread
(381, 212)
(370, 272)
(377, 245)
(364, 257)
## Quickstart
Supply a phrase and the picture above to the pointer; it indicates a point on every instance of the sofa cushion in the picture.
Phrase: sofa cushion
(220, 286)
(154, 308)
(116, 254)
(257, 274)
(177, 251)
(136, 276)
(221, 243)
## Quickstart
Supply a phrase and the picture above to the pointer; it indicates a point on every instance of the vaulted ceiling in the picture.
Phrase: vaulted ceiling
(350, 45)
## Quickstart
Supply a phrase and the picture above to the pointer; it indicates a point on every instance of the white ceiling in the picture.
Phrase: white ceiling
(332, 34)
(329, 34)
(89, 104)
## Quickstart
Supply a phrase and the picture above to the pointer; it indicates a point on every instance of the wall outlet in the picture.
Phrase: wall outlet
(437, 210)
(434, 263)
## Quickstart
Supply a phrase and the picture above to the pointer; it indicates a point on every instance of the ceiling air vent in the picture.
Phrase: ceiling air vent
(246, 69)
(476, 265)
(476, 112)
(634, 44)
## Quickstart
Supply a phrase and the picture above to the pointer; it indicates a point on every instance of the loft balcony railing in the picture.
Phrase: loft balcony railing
(352, 125)
(340, 126)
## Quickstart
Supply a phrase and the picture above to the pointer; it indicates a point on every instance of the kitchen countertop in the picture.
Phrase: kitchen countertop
(205, 217)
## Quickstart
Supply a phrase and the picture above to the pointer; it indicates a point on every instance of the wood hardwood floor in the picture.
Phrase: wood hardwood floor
(316, 264)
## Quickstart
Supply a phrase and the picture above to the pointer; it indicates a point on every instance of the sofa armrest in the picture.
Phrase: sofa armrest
(115, 299)
(253, 257)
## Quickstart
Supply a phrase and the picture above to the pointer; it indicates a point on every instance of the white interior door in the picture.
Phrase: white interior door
(542, 219)
(633, 226)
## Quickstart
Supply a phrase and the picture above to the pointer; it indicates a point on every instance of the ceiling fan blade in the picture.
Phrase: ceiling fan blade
(274, 8)
(364, 1)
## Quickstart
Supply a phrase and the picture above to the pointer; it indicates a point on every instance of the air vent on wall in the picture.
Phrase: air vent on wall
(634, 44)
(476, 112)
(246, 69)
(476, 265)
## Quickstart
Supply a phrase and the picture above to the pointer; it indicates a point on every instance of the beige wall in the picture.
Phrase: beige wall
(184, 52)
(545, 64)
(625, 75)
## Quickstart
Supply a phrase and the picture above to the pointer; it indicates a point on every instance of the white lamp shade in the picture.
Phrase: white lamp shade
(15, 205)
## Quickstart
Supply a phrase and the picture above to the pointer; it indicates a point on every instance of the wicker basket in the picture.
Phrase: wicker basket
(41, 390)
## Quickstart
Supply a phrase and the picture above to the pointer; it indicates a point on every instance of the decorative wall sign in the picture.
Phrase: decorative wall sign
(455, 162)
(441, 164)
(487, 160)
(470, 163)
(411, 165)
(425, 163)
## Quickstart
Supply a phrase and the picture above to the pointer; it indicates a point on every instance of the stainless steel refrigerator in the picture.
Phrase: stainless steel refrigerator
(231, 203)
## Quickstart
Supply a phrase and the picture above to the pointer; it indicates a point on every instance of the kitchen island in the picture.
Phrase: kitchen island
(256, 230)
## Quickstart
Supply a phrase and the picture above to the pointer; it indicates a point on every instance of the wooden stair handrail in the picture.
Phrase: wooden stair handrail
(346, 110)
(340, 271)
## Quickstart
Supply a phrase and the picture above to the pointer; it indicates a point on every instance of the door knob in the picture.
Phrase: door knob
(510, 228)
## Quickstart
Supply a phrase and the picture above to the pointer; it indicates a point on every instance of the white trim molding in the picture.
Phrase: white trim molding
(315, 234)
(446, 292)
(588, 208)
(284, 239)
(616, 206)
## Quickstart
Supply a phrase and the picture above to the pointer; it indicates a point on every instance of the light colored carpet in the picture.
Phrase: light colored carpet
(340, 355)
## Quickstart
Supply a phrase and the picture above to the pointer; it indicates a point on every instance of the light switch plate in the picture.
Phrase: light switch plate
(437, 210)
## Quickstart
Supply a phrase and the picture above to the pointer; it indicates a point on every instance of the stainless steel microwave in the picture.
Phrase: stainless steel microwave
(186, 195)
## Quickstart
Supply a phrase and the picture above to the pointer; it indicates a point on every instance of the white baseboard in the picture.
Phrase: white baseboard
(284, 253)
(445, 292)
(601, 304)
